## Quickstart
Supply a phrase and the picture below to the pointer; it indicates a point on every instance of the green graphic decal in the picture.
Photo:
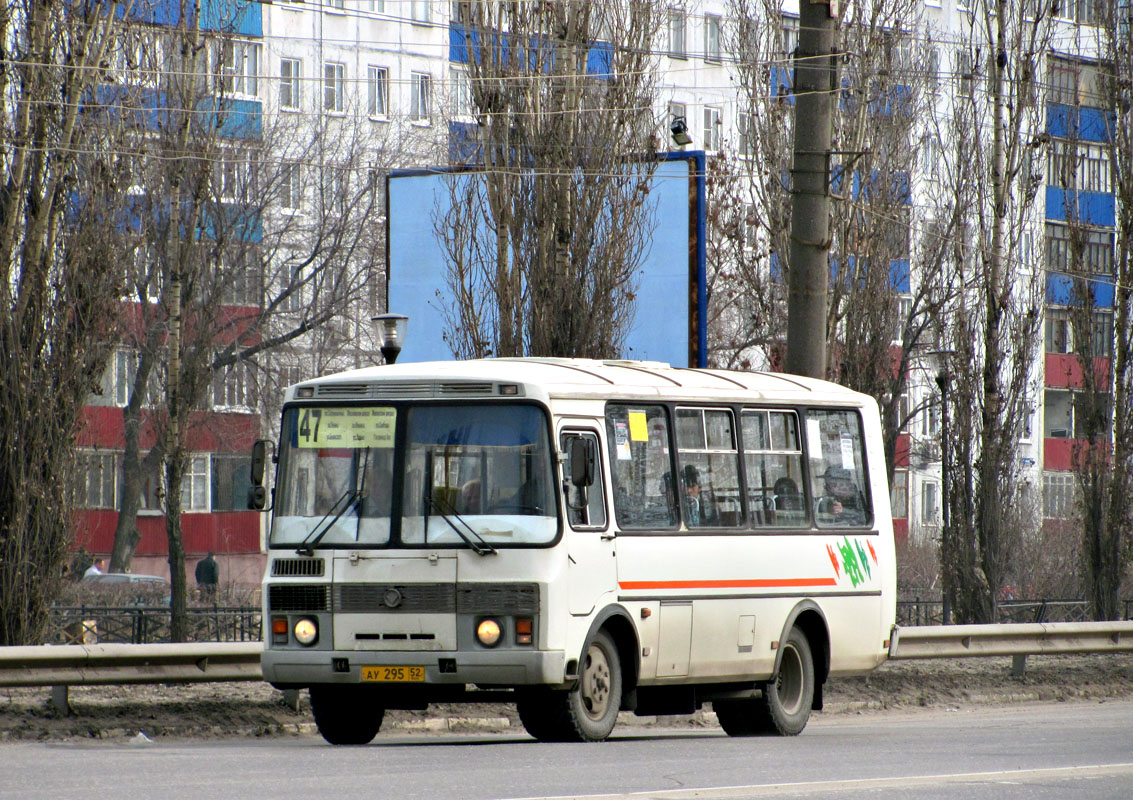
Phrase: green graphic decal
(850, 563)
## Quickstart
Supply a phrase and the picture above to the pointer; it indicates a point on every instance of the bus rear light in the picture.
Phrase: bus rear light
(279, 630)
(523, 630)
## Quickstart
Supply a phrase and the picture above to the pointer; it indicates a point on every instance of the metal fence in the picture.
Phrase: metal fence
(930, 611)
(150, 625)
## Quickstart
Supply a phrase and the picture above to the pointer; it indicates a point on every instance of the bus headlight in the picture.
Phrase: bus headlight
(488, 632)
(306, 632)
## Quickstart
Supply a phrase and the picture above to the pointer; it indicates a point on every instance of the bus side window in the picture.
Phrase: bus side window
(592, 512)
(774, 463)
(640, 465)
(838, 469)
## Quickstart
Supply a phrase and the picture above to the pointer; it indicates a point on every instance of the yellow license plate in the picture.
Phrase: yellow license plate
(393, 674)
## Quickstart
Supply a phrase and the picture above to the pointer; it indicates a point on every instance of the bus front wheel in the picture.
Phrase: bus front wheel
(346, 714)
(587, 712)
(784, 708)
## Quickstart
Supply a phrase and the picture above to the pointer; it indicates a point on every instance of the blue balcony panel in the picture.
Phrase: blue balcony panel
(1060, 291)
(1093, 208)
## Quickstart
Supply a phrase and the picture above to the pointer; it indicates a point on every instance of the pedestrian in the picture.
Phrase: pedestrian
(95, 569)
(208, 575)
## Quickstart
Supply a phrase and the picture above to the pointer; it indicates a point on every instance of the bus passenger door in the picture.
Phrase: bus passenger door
(591, 568)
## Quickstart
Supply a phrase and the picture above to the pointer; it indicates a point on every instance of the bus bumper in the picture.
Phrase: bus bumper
(297, 668)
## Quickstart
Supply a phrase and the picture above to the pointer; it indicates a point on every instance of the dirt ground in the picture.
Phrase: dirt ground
(215, 710)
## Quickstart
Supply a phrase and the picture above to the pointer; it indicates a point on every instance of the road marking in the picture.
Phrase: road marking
(897, 782)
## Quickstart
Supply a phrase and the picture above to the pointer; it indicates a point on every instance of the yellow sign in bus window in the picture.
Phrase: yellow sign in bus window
(638, 427)
(347, 427)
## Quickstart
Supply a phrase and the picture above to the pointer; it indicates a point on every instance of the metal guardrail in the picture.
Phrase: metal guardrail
(200, 662)
(88, 665)
(963, 641)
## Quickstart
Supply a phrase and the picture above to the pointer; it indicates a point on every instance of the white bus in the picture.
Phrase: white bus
(577, 537)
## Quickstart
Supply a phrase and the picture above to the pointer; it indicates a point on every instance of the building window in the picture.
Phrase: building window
(244, 277)
(747, 135)
(1063, 81)
(336, 189)
(97, 480)
(420, 100)
(1060, 495)
(195, 485)
(461, 94)
(711, 128)
(231, 479)
(677, 34)
(750, 227)
(290, 74)
(377, 91)
(235, 387)
(899, 494)
(419, 10)
(711, 38)
(964, 71)
(123, 368)
(1097, 246)
(240, 68)
(929, 509)
(290, 186)
(1057, 332)
(789, 39)
(334, 88)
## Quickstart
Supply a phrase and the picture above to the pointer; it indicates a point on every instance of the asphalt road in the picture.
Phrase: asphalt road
(1071, 750)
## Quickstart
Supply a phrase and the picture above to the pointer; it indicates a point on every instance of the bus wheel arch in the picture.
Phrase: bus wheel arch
(616, 621)
(807, 616)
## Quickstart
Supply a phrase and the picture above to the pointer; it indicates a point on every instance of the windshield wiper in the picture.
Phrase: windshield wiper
(348, 501)
(478, 545)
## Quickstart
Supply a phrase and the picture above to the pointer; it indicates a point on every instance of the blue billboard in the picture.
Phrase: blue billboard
(669, 317)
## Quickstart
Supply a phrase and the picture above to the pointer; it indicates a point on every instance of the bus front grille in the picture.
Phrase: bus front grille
(298, 597)
(298, 567)
(498, 598)
(412, 598)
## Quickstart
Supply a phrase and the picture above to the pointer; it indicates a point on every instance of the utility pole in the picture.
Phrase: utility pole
(810, 190)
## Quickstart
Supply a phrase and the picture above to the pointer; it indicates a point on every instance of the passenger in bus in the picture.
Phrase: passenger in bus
(470, 502)
(698, 509)
(842, 501)
(379, 493)
(787, 496)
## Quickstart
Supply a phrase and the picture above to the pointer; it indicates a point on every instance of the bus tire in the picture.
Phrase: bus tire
(785, 705)
(586, 713)
(787, 699)
(346, 714)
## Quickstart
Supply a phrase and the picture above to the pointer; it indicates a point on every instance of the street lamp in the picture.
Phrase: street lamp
(943, 379)
(390, 330)
(679, 129)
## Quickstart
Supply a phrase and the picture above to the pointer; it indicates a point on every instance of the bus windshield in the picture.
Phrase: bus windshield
(467, 473)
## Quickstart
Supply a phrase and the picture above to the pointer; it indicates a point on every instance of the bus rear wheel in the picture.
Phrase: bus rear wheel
(346, 714)
(784, 708)
(586, 713)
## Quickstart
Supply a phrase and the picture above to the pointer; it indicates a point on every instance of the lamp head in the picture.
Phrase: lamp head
(390, 330)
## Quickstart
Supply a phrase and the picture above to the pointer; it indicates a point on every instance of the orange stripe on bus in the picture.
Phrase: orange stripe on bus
(755, 583)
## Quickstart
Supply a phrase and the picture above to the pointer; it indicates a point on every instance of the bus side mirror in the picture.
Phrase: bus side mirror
(258, 493)
(582, 461)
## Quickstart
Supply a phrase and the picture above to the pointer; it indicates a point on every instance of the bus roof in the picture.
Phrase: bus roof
(570, 377)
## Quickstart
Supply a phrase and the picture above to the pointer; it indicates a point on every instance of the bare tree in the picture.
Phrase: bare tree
(1105, 480)
(549, 225)
(996, 132)
(254, 233)
(891, 272)
(890, 265)
(749, 205)
(61, 248)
